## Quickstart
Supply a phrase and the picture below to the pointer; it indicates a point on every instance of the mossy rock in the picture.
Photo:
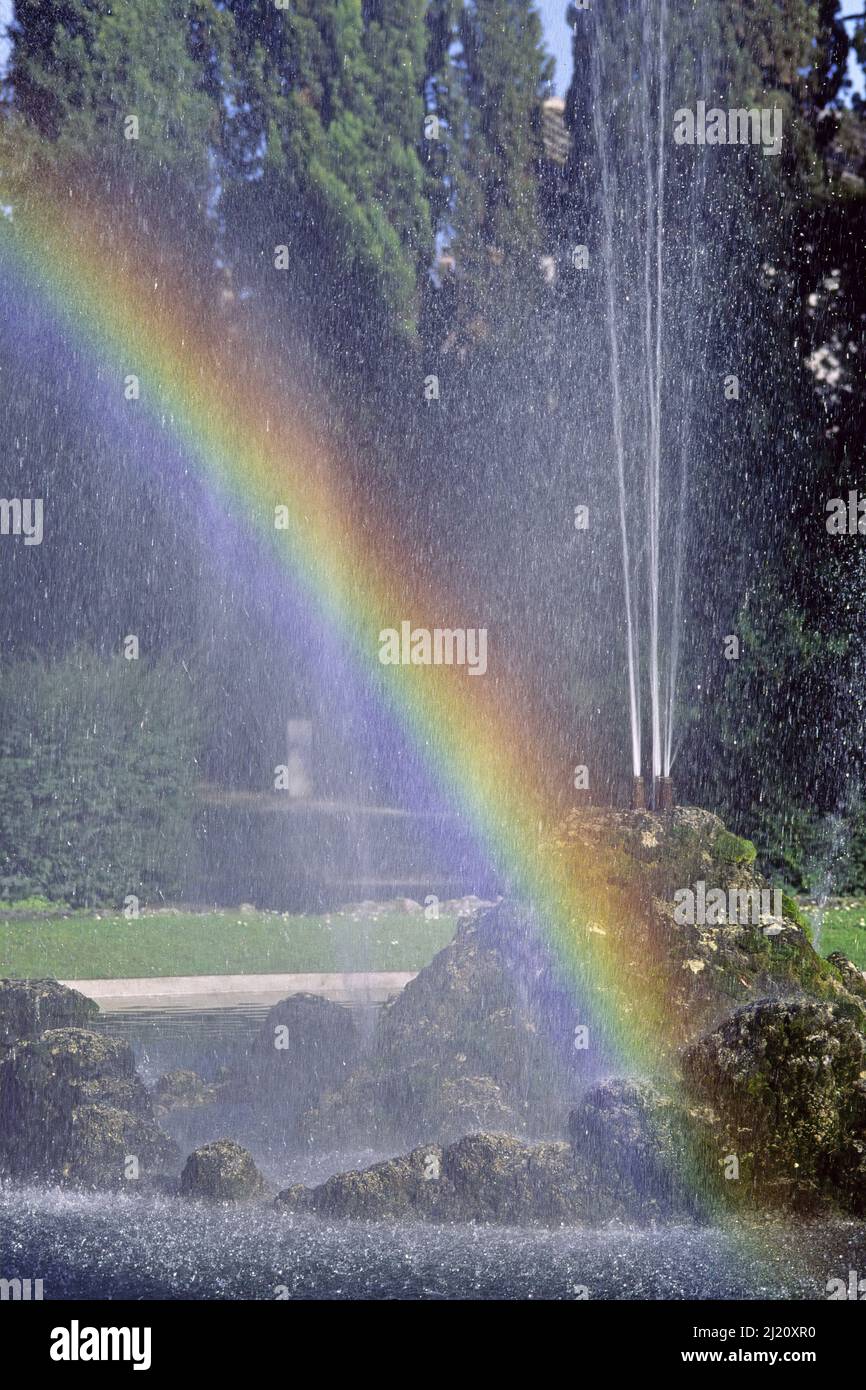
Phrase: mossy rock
(483, 1037)
(792, 911)
(733, 849)
(182, 1090)
(642, 1147)
(783, 1076)
(70, 1101)
(306, 1047)
(30, 1007)
(408, 1187)
(851, 976)
(221, 1172)
(490, 1178)
(112, 1147)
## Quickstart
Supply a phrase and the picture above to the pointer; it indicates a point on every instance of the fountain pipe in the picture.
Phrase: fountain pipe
(638, 795)
(664, 794)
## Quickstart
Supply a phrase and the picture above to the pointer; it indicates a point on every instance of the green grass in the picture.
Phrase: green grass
(105, 946)
(844, 929)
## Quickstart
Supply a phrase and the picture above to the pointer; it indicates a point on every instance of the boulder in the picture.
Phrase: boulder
(29, 1007)
(72, 1109)
(505, 1181)
(307, 1046)
(633, 863)
(490, 1178)
(110, 1147)
(222, 1171)
(646, 1150)
(182, 1090)
(786, 1079)
(484, 1036)
(852, 978)
(407, 1187)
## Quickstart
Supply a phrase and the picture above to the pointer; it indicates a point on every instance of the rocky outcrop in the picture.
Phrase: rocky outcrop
(492, 1178)
(30, 1007)
(182, 1090)
(852, 978)
(768, 1036)
(221, 1172)
(73, 1110)
(481, 1038)
(484, 1036)
(785, 1079)
(307, 1046)
(634, 863)
(650, 1152)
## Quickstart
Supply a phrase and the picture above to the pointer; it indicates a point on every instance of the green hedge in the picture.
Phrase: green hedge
(97, 764)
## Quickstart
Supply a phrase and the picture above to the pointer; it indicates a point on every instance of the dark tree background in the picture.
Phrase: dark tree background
(397, 149)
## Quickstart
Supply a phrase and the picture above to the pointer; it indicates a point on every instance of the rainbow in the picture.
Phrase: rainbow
(129, 305)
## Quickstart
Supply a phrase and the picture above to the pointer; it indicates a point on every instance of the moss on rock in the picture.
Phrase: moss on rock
(222, 1171)
(70, 1101)
(182, 1090)
(733, 849)
(30, 1007)
(489, 1178)
(783, 1077)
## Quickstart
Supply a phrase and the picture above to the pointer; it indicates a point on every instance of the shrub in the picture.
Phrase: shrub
(97, 758)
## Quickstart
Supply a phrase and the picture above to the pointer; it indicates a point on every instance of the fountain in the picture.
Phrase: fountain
(573, 1057)
(653, 438)
(664, 794)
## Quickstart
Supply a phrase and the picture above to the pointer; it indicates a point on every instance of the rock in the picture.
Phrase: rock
(642, 1148)
(483, 1036)
(29, 1007)
(505, 1181)
(466, 1104)
(222, 1171)
(489, 1178)
(407, 1103)
(785, 1077)
(110, 1147)
(70, 1100)
(306, 1046)
(310, 1042)
(406, 1187)
(633, 863)
(853, 979)
(182, 1090)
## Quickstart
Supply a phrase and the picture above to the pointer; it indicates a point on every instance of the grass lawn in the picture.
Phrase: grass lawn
(844, 929)
(104, 946)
